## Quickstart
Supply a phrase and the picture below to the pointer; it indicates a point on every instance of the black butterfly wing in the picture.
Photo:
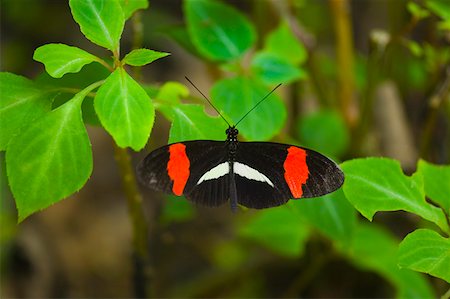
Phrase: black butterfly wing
(186, 162)
(293, 172)
(266, 174)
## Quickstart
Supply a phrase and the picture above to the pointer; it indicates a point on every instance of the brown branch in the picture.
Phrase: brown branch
(138, 40)
(436, 101)
(318, 81)
(139, 224)
(340, 10)
(141, 252)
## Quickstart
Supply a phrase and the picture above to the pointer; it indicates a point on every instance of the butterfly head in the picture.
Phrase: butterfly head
(232, 133)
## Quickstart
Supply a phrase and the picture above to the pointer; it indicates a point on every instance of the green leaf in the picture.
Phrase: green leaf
(361, 72)
(414, 47)
(378, 184)
(230, 256)
(60, 59)
(324, 131)
(279, 229)
(417, 11)
(426, 251)
(218, 31)
(8, 215)
(101, 21)
(444, 25)
(130, 6)
(330, 214)
(440, 7)
(51, 159)
(90, 73)
(172, 92)
(180, 35)
(89, 115)
(272, 69)
(283, 43)
(150, 89)
(236, 96)
(190, 122)
(176, 209)
(21, 102)
(125, 110)
(141, 57)
(375, 249)
(436, 179)
(433, 57)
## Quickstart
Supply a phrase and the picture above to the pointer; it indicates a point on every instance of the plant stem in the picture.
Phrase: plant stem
(319, 258)
(141, 237)
(341, 13)
(436, 102)
(77, 90)
(307, 39)
(308, 275)
(138, 39)
(105, 64)
(381, 43)
(139, 224)
(374, 61)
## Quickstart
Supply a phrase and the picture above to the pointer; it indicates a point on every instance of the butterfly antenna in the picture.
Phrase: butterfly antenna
(206, 98)
(257, 104)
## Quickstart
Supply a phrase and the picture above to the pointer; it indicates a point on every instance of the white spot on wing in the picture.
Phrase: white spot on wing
(250, 173)
(215, 172)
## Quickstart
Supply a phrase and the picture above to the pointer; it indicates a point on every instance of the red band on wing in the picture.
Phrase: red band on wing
(178, 167)
(296, 170)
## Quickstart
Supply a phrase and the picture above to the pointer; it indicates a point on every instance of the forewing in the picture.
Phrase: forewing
(325, 176)
(152, 171)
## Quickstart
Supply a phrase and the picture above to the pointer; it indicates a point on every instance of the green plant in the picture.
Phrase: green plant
(48, 153)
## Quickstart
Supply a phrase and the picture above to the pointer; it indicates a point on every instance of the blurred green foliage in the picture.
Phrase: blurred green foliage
(324, 131)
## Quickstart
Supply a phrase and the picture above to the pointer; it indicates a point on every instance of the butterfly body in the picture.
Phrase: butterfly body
(253, 174)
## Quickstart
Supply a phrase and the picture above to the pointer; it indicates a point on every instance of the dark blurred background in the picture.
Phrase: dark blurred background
(81, 247)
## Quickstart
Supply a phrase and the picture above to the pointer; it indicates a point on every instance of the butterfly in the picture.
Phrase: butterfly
(252, 174)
